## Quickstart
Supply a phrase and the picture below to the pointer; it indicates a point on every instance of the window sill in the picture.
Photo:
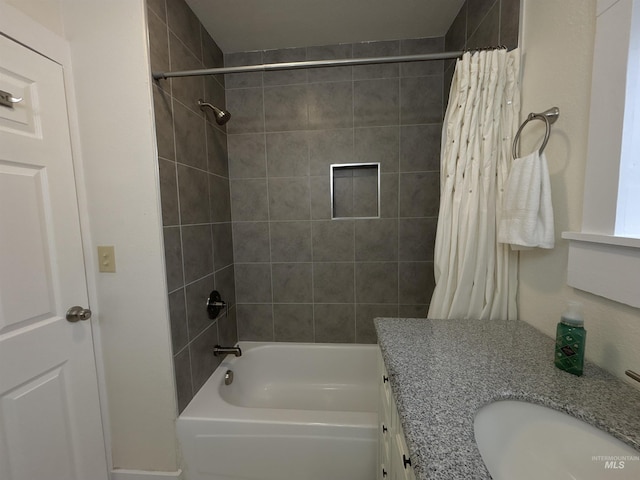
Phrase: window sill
(605, 265)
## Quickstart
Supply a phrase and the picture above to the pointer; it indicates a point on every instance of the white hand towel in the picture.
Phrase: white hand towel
(527, 213)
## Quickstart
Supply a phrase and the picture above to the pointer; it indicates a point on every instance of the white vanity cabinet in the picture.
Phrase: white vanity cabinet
(394, 461)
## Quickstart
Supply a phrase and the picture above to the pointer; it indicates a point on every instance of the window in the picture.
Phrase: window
(604, 258)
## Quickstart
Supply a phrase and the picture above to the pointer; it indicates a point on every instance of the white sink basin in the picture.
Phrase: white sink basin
(520, 440)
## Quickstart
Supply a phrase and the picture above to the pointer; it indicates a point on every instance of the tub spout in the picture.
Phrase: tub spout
(218, 350)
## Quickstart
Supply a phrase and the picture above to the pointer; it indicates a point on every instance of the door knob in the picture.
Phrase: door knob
(77, 313)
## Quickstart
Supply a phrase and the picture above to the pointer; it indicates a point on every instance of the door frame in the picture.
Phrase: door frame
(26, 31)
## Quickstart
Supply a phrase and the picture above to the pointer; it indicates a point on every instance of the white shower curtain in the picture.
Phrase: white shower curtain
(476, 277)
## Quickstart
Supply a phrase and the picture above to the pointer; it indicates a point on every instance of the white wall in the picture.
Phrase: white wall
(46, 12)
(118, 151)
(558, 38)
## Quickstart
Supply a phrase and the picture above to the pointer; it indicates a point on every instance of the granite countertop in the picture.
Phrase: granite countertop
(442, 371)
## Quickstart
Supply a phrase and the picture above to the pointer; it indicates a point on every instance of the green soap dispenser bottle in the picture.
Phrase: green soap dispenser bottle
(570, 340)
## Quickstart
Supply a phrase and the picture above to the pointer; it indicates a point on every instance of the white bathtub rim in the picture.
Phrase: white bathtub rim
(208, 399)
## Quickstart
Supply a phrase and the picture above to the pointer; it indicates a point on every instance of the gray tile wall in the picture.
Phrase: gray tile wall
(301, 276)
(482, 23)
(194, 187)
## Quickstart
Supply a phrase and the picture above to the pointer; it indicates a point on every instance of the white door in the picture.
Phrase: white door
(50, 425)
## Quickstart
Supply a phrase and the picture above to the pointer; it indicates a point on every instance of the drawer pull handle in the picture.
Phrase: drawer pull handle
(384, 473)
(384, 429)
(385, 379)
(406, 461)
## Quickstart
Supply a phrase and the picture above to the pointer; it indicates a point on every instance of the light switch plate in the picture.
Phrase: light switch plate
(107, 259)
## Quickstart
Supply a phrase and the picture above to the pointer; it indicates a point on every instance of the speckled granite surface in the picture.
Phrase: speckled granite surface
(443, 371)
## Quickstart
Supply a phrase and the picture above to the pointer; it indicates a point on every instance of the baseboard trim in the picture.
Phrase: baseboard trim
(121, 474)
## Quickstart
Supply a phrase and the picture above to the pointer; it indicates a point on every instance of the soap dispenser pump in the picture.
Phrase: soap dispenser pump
(570, 340)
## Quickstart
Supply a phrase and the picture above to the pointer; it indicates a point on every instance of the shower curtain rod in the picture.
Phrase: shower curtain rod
(313, 64)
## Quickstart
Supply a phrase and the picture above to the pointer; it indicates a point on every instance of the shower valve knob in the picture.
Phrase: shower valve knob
(215, 304)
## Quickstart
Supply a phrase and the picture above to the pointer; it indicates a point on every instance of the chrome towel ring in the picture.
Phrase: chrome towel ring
(549, 117)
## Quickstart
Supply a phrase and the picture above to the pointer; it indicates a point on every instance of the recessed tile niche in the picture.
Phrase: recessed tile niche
(355, 190)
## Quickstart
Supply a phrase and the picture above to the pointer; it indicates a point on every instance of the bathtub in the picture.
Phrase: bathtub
(294, 411)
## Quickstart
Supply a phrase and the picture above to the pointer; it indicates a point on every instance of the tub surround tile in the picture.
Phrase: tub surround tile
(182, 372)
(333, 241)
(243, 80)
(334, 323)
(212, 55)
(482, 23)
(389, 195)
(488, 32)
(178, 318)
(214, 94)
(159, 8)
(217, 151)
(247, 107)
(184, 23)
(247, 156)
(333, 282)
(330, 105)
(251, 242)
(329, 146)
(255, 322)
(163, 112)
(421, 99)
(509, 21)
(219, 199)
(197, 294)
(293, 323)
(168, 192)
(253, 282)
(456, 36)
(329, 52)
(280, 189)
(227, 328)
(159, 42)
(173, 257)
(197, 251)
(377, 282)
(222, 245)
(284, 77)
(376, 102)
(203, 362)
(290, 241)
(249, 200)
(378, 145)
(477, 11)
(376, 240)
(193, 189)
(291, 282)
(286, 108)
(320, 197)
(365, 313)
(416, 283)
(417, 238)
(413, 311)
(419, 194)
(423, 356)
(420, 148)
(186, 90)
(190, 137)
(225, 283)
(418, 46)
(376, 49)
(287, 154)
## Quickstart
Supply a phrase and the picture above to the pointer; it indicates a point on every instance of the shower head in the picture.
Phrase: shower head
(222, 116)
